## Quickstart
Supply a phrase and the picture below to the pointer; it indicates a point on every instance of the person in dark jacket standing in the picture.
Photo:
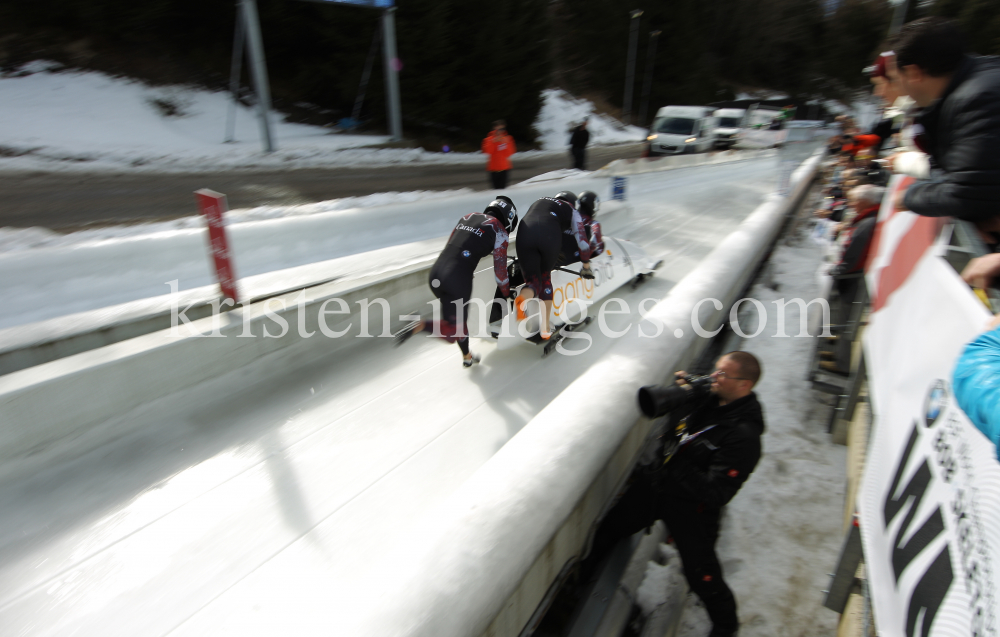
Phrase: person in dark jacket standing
(716, 448)
(959, 122)
(578, 145)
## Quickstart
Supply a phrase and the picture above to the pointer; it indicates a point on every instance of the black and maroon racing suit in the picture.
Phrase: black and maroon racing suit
(539, 239)
(475, 236)
(570, 251)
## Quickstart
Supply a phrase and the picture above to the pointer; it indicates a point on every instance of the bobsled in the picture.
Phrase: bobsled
(621, 263)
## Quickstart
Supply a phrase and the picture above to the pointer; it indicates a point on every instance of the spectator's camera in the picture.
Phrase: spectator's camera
(658, 400)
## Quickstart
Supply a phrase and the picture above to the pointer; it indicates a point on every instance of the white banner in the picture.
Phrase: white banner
(929, 505)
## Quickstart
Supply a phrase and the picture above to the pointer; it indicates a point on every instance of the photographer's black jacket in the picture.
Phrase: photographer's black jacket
(721, 449)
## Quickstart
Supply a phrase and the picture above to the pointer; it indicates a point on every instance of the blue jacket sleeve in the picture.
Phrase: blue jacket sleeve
(977, 384)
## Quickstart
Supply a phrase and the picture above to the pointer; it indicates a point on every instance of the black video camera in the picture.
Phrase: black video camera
(658, 400)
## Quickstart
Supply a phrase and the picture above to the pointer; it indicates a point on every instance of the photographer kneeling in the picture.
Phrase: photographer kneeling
(711, 446)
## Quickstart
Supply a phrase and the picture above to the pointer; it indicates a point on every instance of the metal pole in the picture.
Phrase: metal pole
(391, 77)
(356, 113)
(648, 84)
(630, 66)
(255, 49)
(234, 77)
(897, 17)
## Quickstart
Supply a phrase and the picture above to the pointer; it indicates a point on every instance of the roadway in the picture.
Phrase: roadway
(67, 201)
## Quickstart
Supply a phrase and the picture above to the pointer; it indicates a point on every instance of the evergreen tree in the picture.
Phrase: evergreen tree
(979, 19)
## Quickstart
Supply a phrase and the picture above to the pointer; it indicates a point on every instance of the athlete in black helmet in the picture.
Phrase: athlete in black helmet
(475, 236)
(538, 244)
(587, 204)
(567, 196)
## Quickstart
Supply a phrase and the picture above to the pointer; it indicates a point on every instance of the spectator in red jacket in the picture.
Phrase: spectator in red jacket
(499, 146)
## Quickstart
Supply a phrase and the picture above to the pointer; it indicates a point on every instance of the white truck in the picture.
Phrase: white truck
(728, 122)
(681, 129)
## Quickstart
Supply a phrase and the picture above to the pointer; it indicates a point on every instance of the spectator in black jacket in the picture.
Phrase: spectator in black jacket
(717, 448)
(578, 145)
(959, 122)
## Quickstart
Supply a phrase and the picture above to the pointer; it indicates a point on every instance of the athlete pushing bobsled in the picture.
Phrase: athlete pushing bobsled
(612, 263)
(538, 245)
(475, 236)
(587, 204)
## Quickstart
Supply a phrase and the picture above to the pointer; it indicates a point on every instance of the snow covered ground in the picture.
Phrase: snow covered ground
(560, 111)
(21, 239)
(86, 121)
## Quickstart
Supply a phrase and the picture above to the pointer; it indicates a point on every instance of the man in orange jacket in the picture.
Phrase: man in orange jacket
(499, 146)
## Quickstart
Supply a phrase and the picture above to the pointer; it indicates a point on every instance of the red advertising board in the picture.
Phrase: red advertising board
(212, 204)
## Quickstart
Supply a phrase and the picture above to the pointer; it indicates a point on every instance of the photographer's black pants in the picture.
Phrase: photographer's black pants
(694, 529)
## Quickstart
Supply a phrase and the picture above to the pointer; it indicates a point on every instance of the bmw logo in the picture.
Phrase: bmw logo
(548, 290)
(934, 404)
(466, 253)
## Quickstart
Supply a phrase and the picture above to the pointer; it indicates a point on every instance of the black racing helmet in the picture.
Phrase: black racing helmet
(588, 203)
(568, 197)
(505, 212)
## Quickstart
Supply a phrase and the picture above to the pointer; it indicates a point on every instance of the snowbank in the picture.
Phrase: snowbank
(19, 239)
(560, 111)
(56, 119)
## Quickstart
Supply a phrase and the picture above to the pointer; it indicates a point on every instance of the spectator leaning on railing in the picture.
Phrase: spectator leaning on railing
(959, 122)
(858, 228)
(886, 88)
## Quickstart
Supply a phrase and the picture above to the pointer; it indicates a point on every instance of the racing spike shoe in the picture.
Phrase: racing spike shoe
(404, 334)
(545, 335)
(472, 360)
(522, 307)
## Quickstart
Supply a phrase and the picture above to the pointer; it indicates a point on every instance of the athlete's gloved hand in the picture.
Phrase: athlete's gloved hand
(586, 272)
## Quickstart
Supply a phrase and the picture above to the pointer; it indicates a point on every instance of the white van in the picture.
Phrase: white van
(727, 126)
(681, 129)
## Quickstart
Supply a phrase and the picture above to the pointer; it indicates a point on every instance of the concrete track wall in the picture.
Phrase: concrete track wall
(81, 402)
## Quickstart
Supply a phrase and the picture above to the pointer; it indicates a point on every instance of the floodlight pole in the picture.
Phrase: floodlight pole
(630, 66)
(235, 69)
(648, 84)
(391, 73)
(255, 48)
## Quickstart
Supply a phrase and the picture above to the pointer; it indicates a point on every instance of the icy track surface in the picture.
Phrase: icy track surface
(95, 269)
(254, 504)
